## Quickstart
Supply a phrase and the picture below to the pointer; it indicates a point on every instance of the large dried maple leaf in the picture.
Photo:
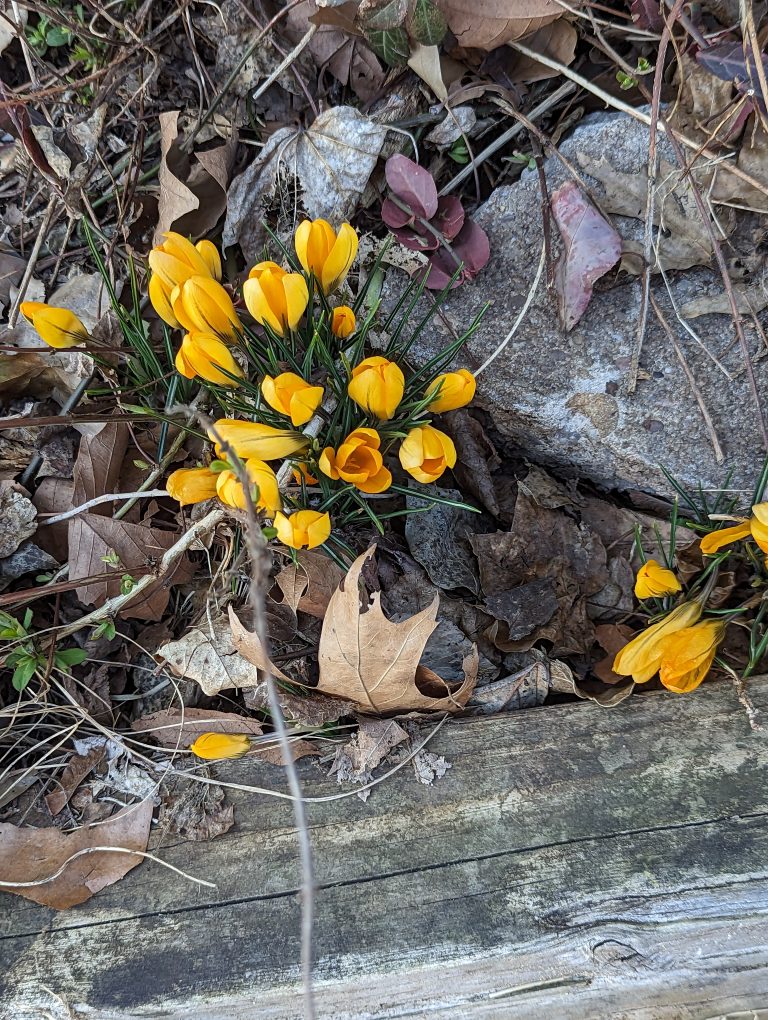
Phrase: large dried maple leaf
(374, 662)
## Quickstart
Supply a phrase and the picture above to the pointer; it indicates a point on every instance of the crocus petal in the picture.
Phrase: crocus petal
(304, 403)
(159, 296)
(453, 389)
(655, 581)
(296, 297)
(262, 442)
(759, 525)
(210, 256)
(58, 327)
(258, 305)
(192, 485)
(220, 745)
(340, 259)
(641, 657)
(717, 539)
(208, 306)
(343, 322)
(171, 270)
(181, 248)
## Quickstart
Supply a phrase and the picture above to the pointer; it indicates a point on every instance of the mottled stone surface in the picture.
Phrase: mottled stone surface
(562, 397)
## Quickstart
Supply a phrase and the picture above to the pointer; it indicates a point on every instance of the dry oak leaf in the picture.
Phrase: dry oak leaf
(365, 657)
(308, 584)
(80, 870)
(172, 728)
(484, 26)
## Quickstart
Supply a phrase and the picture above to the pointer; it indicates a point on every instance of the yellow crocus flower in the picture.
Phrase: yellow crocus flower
(641, 657)
(304, 529)
(201, 305)
(172, 263)
(203, 355)
(358, 461)
(291, 395)
(377, 385)
(58, 327)
(274, 297)
(655, 581)
(343, 322)
(426, 453)
(325, 253)
(452, 390)
(688, 654)
(265, 491)
(262, 442)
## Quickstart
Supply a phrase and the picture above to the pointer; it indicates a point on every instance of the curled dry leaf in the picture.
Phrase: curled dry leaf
(365, 657)
(592, 247)
(77, 768)
(33, 855)
(607, 696)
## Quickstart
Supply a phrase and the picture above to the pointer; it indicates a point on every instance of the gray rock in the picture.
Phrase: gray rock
(562, 398)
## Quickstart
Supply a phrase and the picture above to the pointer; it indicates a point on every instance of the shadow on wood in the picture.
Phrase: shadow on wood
(574, 862)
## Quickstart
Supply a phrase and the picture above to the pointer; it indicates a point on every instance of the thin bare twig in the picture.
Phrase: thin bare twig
(108, 497)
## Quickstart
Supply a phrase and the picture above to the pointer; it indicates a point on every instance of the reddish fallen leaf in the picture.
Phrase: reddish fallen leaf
(735, 61)
(647, 15)
(493, 23)
(592, 247)
(75, 869)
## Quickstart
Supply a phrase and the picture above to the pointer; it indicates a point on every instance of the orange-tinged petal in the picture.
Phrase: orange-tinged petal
(688, 654)
(192, 485)
(717, 539)
(343, 322)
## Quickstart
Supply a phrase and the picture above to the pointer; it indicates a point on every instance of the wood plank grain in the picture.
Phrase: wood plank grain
(614, 861)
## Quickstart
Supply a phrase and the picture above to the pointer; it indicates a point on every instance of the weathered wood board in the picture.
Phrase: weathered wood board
(574, 862)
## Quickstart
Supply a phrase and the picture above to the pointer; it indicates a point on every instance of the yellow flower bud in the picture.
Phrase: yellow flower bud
(641, 657)
(425, 453)
(304, 529)
(377, 385)
(358, 461)
(203, 355)
(343, 322)
(289, 394)
(210, 255)
(58, 327)
(655, 581)
(221, 745)
(687, 655)
(252, 439)
(325, 253)
(451, 390)
(201, 305)
(274, 297)
(192, 485)
(264, 493)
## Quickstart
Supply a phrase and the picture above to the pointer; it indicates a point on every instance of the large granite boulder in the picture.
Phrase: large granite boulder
(563, 397)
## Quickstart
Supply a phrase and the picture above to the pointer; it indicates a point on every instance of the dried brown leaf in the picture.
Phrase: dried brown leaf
(496, 22)
(365, 657)
(173, 728)
(556, 41)
(605, 695)
(75, 771)
(138, 547)
(308, 584)
(33, 855)
(195, 811)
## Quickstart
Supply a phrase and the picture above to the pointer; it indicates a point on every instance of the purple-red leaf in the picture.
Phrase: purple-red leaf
(592, 247)
(471, 250)
(646, 14)
(413, 185)
(393, 215)
(414, 239)
(729, 61)
(449, 218)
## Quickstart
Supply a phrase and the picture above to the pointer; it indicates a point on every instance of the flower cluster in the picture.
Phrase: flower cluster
(297, 382)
